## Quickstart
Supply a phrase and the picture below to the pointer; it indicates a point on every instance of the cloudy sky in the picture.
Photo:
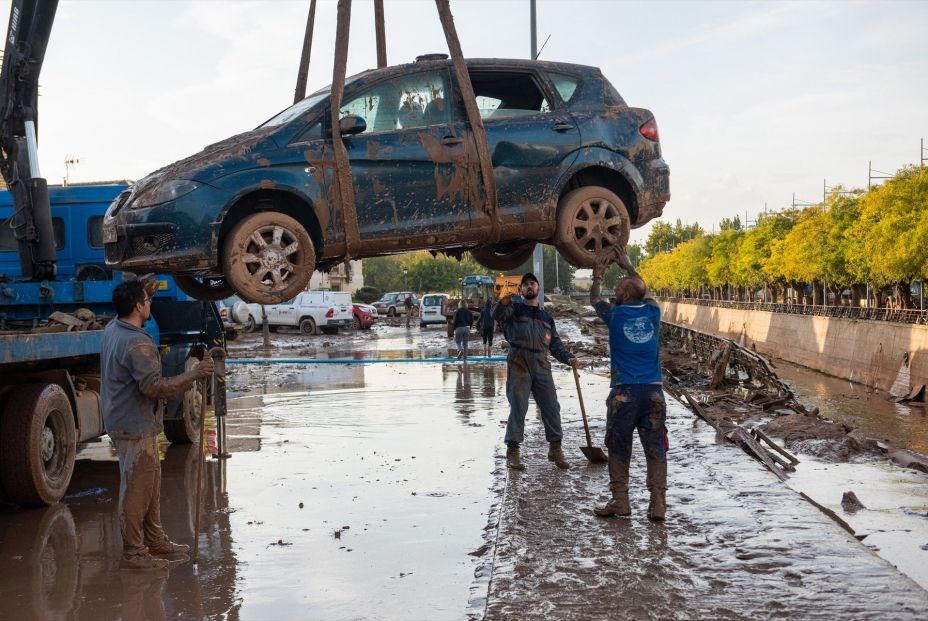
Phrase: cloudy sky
(755, 101)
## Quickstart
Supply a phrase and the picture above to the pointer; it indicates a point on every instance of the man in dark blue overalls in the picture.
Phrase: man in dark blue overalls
(530, 331)
(637, 397)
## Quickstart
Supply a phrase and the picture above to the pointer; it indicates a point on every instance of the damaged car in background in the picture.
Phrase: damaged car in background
(254, 215)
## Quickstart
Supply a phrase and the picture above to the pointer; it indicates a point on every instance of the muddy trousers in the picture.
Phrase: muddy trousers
(139, 494)
(641, 407)
(531, 376)
(461, 337)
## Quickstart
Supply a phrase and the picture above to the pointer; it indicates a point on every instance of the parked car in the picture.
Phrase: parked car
(364, 316)
(432, 309)
(394, 303)
(574, 166)
(313, 311)
(247, 315)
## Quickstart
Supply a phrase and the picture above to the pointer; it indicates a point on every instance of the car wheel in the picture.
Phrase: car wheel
(391, 312)
(250, 325)
(268, 258)
(503, 256)
(185, 429)
(308, 326)
(209, 289)
(591, 221)
(38, 442)
(356, 323)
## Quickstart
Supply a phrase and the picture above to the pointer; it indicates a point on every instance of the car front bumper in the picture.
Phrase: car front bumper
(177, 236)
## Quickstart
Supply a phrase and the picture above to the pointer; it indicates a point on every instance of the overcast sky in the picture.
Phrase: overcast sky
(755, 100)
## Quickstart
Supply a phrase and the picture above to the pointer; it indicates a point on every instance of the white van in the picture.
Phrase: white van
(431, 309)
(312, 311)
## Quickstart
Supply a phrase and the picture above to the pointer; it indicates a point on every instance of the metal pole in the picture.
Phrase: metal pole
(381, 34)
(301, 76)
(265, 328)
(538, 258)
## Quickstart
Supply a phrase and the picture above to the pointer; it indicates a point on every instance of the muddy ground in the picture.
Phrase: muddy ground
(379, 491)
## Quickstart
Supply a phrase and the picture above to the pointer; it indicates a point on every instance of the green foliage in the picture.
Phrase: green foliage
(723, 251)
(564, 274)
(730, 224)
(425, 273)
(664, 237)
(368, 294)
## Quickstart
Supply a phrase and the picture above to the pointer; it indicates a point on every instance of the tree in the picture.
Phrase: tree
(723, 253)
(665, 237)
(563, 274)
(730, 224)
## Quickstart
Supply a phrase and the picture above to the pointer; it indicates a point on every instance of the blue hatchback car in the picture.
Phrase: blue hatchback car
(574, 166)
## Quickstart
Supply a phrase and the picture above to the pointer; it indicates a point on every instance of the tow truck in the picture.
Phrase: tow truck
(56, 292)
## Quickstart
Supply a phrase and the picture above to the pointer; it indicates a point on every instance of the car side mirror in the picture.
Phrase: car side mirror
(351, 125)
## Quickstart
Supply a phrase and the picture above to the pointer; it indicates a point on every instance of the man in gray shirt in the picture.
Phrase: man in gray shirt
(132, 389)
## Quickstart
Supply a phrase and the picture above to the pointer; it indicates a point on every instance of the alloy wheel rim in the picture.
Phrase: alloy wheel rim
(270, 254)
(598, 224)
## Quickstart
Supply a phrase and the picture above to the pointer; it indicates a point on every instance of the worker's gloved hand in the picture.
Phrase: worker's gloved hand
(574, 362)
(204, 368)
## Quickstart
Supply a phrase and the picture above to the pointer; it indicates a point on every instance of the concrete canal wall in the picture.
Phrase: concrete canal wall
(868, 352)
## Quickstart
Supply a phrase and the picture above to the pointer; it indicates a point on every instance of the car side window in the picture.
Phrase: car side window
(313, 132)
(507, 94)
(565, 85)
(416, 100)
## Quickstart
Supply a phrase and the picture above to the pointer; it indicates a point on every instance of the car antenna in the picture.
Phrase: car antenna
(542, 47)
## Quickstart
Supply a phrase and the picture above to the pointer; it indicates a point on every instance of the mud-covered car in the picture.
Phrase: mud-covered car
(573, 164)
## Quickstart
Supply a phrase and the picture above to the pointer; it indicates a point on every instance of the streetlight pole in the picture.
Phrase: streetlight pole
(405, 272)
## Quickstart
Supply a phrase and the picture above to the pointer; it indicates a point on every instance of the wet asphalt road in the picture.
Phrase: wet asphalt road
(409, 513)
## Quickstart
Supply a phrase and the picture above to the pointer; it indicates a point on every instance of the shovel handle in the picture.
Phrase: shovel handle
(586, 425)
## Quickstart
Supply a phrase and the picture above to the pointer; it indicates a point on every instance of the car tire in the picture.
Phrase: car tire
(503, 256)
(208, 289)
(391, 312)
(276, 271)
(356, 323)
(591, 221)
(185, 429)
(250, 325)
(308, 326)
(38, 442)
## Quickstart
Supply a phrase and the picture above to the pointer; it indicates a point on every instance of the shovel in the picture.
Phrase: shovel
(594, 454)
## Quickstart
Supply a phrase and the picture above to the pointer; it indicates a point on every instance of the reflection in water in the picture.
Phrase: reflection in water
(475, 385)
(901, 425)
(62, 562)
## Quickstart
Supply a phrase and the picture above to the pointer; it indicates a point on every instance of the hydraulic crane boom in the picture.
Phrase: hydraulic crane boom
(27, 38)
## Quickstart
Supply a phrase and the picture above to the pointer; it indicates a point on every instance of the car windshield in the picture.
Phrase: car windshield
(297, 109)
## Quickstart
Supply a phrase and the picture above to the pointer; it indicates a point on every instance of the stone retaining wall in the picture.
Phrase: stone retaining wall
(868, 352)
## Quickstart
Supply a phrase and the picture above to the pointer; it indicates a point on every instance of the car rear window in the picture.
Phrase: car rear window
(566, 85)
(431, 300)
(507, 94)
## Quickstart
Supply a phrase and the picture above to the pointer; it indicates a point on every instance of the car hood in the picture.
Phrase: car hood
(245, 150)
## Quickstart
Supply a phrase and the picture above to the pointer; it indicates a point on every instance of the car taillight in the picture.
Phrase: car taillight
(330, 312)
(649, 130)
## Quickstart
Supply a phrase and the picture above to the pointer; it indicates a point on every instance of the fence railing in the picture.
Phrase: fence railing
(839, 312)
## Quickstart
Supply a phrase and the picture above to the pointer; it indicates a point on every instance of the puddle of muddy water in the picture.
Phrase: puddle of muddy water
(353, 492)
(902, 426)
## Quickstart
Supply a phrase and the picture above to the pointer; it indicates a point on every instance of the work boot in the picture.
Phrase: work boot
(168, 548)
(556, 455)
(657, 484)
(144, 561)
(513, 460)
(618, 485)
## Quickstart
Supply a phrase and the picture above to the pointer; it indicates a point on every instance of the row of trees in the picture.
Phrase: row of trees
(856, 240)
(441, 274)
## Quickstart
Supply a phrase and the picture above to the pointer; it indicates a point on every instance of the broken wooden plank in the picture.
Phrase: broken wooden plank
(721, 367)
(779, 449)
(747, 442)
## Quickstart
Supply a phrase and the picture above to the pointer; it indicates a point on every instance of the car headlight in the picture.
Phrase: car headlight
(164, 192)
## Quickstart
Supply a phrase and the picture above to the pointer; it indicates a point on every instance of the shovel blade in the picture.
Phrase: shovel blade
(594, 454)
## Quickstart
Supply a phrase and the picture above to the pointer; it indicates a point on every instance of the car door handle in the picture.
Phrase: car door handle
(563, 126)
(450, 141)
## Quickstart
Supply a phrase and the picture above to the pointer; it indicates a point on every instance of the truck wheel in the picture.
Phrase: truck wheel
(268, 258)
(210, 289)
(184, 428)
(250, 325)
(37, 444)
(503, 256)
(308, 326)
(591, 221)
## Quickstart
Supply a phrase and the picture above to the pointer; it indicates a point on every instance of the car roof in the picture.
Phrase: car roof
(481, 63)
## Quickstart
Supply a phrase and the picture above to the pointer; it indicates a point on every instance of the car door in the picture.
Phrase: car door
(414, 166)
(529, 134)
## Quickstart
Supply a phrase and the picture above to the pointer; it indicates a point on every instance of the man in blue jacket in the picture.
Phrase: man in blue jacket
(637, 397)
(531, 334)
(132, 388)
